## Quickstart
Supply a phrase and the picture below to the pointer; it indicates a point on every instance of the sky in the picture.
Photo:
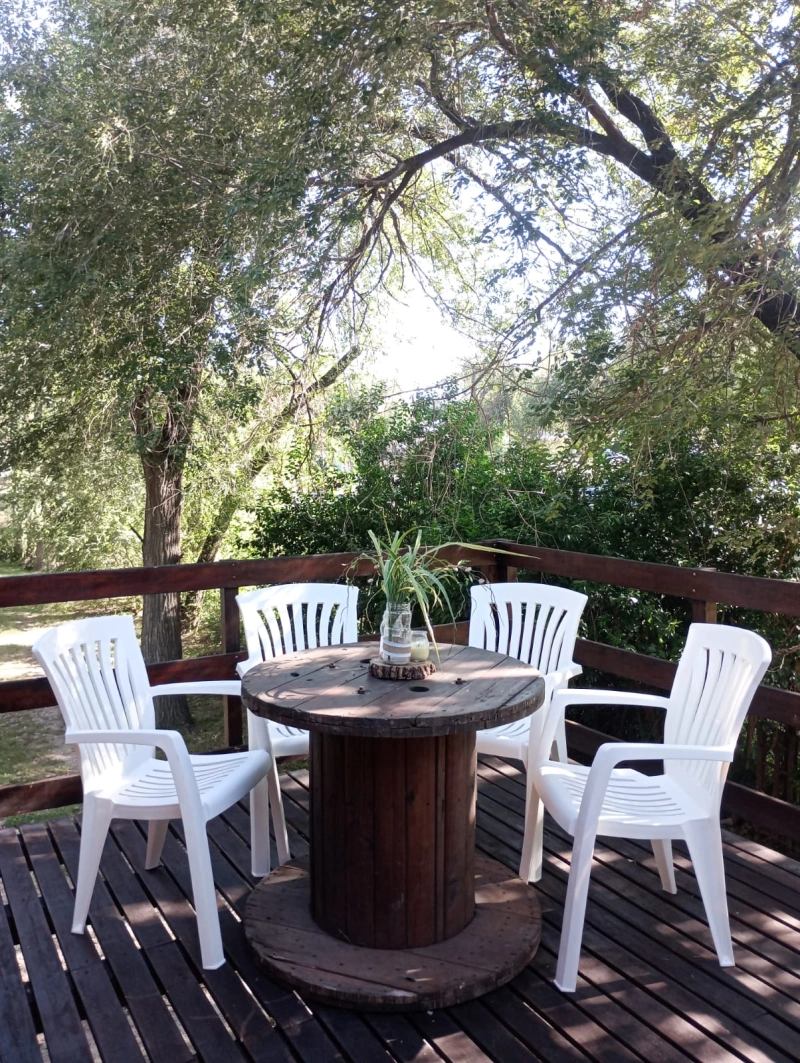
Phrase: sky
(420, 347)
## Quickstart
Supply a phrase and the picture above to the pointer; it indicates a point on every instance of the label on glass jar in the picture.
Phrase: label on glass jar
(395, 652)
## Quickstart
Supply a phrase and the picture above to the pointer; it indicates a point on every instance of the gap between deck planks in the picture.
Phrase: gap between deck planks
(650, 986)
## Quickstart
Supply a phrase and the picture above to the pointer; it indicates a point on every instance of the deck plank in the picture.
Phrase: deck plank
(17, 1030)
(641, 962)
(402, 1039)
(64, 1033)
(239, 1009)
(649, 988)
(734, 1005)
(100, 1003)
(142, 992)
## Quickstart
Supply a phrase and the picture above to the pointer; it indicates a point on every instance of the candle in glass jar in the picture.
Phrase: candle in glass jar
(420, 647)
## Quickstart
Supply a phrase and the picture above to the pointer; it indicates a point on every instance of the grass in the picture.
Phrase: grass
(40, 817)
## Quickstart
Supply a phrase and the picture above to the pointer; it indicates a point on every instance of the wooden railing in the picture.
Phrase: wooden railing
(703, 588)
(21, 695)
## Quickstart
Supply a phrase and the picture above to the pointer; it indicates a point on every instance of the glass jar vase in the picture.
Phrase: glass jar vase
(396, 633)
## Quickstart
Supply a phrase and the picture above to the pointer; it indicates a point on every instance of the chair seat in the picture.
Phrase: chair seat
(634, 806)
(222, 779)
(506, 740)
(287, 741)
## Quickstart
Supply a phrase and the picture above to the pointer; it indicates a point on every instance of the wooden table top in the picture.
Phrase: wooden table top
(331, 691)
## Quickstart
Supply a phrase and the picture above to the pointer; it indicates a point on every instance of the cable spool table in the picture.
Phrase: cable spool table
(392, 910)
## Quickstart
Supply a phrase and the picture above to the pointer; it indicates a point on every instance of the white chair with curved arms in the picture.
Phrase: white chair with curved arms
(537, 624)
(290, 618)
(98, 675)
(717, 676)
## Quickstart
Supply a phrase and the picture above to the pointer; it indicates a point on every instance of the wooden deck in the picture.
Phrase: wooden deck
(132, 988)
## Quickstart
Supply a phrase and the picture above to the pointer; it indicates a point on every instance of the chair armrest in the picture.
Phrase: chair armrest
(612, 753)
(174, 746)
(609, 697)
(203, 686)
(558, 680)
(169, 741)
(172, 742)
(563, 696)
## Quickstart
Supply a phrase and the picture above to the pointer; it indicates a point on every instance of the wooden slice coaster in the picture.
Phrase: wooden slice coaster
(286, 943)
(413, 670)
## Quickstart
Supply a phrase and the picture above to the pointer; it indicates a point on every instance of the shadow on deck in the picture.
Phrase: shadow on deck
(650, 987)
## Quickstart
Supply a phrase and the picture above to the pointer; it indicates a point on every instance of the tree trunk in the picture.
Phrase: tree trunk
(161, 616)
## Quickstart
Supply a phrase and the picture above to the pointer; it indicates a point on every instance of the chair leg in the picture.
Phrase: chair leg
(662, 851)
(530, 865)
(259, 829)
(94, 828)
(705, 848)
(569, 949)
(278, 818)
(204, 895)
(156, 833)
(258, 738)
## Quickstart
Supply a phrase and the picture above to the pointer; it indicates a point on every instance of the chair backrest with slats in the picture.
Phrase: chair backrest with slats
(97, 673)
(530, 621)
(298, 616)
(718, 674)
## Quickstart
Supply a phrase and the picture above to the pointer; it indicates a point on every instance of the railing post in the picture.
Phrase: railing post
(704, 612)
(502, 571)
(231, 643)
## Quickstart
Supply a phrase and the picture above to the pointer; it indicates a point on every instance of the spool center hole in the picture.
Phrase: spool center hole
(419, 690)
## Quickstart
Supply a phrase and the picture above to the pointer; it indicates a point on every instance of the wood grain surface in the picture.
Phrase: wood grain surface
(381, 669)
(392, 838)
(287, 943)
(330, 690)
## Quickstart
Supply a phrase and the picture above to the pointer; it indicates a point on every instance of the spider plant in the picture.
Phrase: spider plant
(413, 573)
(410, 572)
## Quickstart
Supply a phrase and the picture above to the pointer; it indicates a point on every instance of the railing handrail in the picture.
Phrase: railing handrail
(44, 588)
(700, 584)
(752, 592)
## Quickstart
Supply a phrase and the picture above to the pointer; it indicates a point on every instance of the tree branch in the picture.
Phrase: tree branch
(604, 120)
(586, 264)
(534, 233)
(519, 129)
(659, 166)
(232, 500)
(645, 119)
(498, 32)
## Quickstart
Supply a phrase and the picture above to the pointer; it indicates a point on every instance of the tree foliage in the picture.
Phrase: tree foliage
(636, 160)
(696, 501)
(438, 466)
(161, 254)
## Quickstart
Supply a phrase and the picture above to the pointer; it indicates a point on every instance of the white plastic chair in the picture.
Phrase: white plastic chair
(717, 676)
(284, 619)
(98, 675)
(536, 624)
